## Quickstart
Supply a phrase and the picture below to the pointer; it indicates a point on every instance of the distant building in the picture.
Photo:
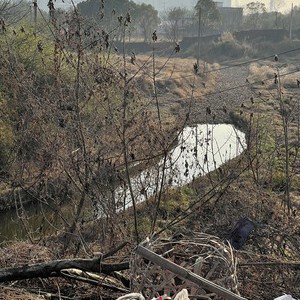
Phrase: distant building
(223, 3)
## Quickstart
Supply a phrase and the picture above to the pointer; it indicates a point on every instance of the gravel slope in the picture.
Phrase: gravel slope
(228, 96)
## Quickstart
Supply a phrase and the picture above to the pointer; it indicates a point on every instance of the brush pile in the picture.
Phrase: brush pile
(203, 254)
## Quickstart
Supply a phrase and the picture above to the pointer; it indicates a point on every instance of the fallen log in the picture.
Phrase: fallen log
(53, 268)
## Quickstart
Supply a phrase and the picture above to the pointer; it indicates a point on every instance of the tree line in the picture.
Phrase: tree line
(177, 22)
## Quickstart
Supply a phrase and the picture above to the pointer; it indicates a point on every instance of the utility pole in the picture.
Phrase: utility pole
(199, 34)
(291, 22)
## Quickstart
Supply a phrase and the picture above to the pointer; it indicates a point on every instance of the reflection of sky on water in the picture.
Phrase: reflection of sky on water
(201, 149)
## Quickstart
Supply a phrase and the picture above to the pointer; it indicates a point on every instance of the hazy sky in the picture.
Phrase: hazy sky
(282, 5)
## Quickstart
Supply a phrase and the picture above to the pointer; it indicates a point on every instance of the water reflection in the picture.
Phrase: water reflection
(35, 219)
(201, 149)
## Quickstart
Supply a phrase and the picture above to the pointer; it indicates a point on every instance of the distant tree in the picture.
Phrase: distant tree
(148, 20)
(207, 13)
(275, 15)
(13, 11)
(296, 17)
(255, 11)
(274, 19)
(108, 13)
(174, 19)
(95, 8)
(255, 8)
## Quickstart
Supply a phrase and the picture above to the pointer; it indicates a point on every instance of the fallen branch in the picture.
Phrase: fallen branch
(94, 279)
(53, 268)
(275, 264)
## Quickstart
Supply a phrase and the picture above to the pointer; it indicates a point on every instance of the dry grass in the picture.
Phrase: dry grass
(176, 84)
(174, 77)
(18, 254)
(13, 293)
(227, 37)
(266, 72)
(269, 241)
(22, 253)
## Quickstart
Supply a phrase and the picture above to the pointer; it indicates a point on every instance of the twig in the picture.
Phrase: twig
(280, 263)
(92, 279)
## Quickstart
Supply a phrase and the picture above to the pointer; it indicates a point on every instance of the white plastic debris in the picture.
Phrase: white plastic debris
(285, 297)
(132, 296)
(182, 295)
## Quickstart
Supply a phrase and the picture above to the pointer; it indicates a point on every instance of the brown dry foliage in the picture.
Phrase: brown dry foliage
(13, 293)
(22, 253)
(175, 77)
(18, 254)
(258, 72)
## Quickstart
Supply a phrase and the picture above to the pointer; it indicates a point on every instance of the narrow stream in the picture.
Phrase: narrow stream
(200, 150)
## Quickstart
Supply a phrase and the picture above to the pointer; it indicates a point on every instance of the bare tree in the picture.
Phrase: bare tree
(255, 12)
(174, 23)
(207, 14)
(12, 12)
